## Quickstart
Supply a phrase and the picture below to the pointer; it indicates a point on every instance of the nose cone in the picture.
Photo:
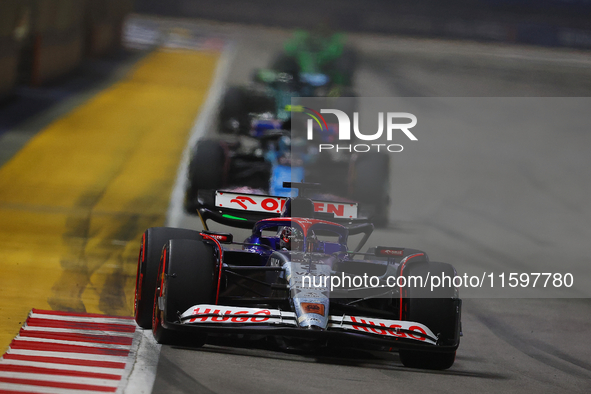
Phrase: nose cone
(310, 293)
(312, 313)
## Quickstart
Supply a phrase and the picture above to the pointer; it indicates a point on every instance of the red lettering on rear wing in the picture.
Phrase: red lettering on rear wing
(271, 204)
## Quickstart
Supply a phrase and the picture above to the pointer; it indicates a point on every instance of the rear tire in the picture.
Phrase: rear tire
(186, 278)
(206, 172)
(440, 314)
(153, 240)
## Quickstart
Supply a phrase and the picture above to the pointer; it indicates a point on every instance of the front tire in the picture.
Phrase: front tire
(153, 240)
(186, 278)
(439, 310)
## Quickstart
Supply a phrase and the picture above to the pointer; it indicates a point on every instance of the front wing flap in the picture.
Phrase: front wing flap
(219, 315)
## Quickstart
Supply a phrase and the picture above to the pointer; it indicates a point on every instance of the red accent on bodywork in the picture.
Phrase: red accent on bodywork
(304, 223)
(139, 275)
(207, 236)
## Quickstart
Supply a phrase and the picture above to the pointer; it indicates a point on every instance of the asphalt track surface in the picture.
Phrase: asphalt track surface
(488, 198)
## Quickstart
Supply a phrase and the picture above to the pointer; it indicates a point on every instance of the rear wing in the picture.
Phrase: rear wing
(243, 210)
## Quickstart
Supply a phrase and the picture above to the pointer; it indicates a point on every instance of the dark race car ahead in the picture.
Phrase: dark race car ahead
(280, 282)
(259, 164)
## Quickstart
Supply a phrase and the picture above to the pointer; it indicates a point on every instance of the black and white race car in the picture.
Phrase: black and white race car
(296, 279)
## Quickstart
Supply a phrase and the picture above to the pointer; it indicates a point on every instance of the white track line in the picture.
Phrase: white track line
(75, 343)
(82, 319)
(65, 367)
(86, 332)
(11, 387)
(144, 359)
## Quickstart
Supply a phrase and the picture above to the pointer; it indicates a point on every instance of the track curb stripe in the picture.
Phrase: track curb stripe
(56, 371)
(55, 347)
(75, 343)
(75, 386)
(66, 361)
(37, 322)
(106, 339)
(85, 332)
(88, 316)
(88, 354)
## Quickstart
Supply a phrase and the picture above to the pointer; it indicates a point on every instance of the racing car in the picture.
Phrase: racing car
(259, 164)
(278, 283)
(312, 64)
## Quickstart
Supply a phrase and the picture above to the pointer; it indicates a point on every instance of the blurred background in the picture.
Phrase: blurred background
(43, 39)
(539, 22)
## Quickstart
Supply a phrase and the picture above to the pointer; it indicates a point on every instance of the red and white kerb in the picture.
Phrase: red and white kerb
(62, 352)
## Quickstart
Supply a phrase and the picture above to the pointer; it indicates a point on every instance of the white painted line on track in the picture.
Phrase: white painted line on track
(143, 360)
(204, 121)
(67, 367)
(74, 331)
(75, 343)
(81, 319)
(25, 388)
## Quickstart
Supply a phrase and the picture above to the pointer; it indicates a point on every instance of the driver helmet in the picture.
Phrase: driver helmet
(291, 238)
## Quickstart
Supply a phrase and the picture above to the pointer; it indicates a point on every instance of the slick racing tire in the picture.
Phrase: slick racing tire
(152, 243)
(186, 278)
(370, 185)
(207, 171)
(440, 312)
